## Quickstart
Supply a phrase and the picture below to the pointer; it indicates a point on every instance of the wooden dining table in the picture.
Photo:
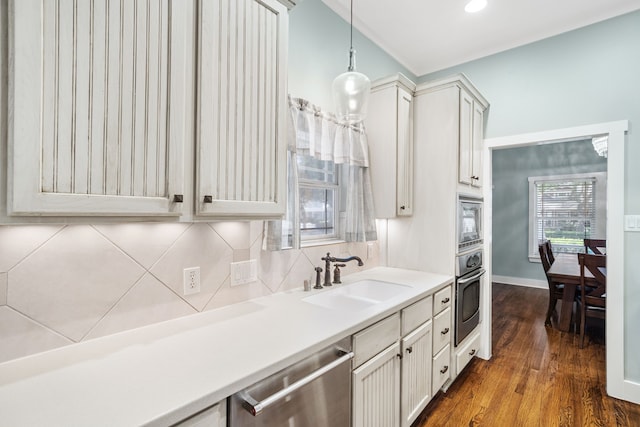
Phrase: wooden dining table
(566, 270)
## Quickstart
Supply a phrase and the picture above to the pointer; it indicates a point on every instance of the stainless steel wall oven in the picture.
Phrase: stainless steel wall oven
(469, 274)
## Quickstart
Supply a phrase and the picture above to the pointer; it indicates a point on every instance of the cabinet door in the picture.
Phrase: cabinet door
(478, 140)
(376, 390)
(241, 119)
(97, 100)
(416, 373)
(465, 138)
(404, 200)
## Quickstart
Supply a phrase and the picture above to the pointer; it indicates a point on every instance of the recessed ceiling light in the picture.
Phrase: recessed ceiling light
(475, 6)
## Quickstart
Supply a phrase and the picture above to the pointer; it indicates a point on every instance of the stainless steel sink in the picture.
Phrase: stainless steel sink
(358, 295)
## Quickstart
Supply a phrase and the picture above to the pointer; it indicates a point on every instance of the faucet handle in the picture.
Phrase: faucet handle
(336, 272)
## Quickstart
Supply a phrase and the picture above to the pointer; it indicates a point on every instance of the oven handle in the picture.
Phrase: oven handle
(254, 407)
(472, 278)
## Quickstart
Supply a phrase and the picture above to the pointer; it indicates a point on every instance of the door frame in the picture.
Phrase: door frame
(617, 385)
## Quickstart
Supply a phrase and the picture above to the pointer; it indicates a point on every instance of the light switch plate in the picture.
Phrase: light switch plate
(244, 272)
(632, 223)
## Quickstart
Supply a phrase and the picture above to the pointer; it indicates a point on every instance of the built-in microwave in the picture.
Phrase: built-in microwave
(469, 227)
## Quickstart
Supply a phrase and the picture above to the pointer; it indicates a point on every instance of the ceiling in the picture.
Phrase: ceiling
(430, 35)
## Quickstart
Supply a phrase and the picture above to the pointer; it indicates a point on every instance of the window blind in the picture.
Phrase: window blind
(566, 212)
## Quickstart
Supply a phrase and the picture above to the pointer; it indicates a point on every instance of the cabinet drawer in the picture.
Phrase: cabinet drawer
(441, 368)
(416, 314)
(442, 300)
(371, 341)
(467, 352)
(441, 330)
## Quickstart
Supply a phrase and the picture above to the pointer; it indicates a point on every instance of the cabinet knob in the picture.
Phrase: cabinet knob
(445, 331)
(403, 207)
(178, 198)
(208, 199)
(472, 352)
(444, 369)
(409, 349)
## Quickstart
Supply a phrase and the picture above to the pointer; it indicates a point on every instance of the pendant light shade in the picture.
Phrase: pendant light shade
(351, 89)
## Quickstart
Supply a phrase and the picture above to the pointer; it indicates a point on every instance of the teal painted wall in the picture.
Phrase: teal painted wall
(589, 75)
(511, 170)
(319, 51)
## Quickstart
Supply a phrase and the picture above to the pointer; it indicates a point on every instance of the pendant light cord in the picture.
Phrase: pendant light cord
(351, 51)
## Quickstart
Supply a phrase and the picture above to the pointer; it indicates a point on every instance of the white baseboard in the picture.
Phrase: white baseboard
(520, 281)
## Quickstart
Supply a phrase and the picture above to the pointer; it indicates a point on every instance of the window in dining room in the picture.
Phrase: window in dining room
(565, 210)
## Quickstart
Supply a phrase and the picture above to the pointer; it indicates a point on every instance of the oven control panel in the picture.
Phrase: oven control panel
(469, 261)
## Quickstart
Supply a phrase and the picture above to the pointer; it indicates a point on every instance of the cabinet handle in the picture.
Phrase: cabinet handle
(403, 207)
(446, 300)
(445, 331)
(472, 352)
(409, 349)
(208, 199)
(178, 198)
(444, 369)
(399, 355)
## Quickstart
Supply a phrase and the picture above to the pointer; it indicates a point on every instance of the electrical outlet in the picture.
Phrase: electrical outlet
(191, 280)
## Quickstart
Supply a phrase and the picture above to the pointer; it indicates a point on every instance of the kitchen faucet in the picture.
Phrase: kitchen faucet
(327, 267)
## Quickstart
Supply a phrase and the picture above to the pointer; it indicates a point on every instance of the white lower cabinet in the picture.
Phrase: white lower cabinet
(376, 390)
(467, 351)
(441, 330)
(441, 368)
(416, 373)
(395, 364)
(214, 416)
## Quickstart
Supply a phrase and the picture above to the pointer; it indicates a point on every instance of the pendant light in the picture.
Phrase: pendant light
(351, 89)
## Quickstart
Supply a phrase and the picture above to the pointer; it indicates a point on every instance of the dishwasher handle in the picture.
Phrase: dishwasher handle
(254, 407)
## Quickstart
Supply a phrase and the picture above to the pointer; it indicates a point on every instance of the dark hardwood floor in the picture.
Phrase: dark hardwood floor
(538, 376)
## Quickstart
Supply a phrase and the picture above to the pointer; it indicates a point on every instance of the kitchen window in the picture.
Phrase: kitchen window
(319, 198)
(566, 209)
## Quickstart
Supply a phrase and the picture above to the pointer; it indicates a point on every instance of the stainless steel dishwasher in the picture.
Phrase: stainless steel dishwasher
(315, 392)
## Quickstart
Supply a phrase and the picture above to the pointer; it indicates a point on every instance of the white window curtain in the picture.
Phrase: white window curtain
(319, 134)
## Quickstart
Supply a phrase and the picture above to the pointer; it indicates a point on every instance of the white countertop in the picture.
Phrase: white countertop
(162, 373)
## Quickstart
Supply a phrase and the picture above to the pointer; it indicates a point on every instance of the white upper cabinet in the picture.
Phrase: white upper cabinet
(389, 125)
(241, 113)
(96, 107)
(470, 140)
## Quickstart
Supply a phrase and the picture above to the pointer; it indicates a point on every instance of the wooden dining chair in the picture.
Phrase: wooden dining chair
(592, 299)
(555, 289)
(549, 251)
(591, 246)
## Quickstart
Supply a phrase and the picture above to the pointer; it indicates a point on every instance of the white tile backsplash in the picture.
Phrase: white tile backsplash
(63, 284)
(16, 242)
(149, 301)
(22, 336)
(199, 246)
(3, 288)
(72, 281)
